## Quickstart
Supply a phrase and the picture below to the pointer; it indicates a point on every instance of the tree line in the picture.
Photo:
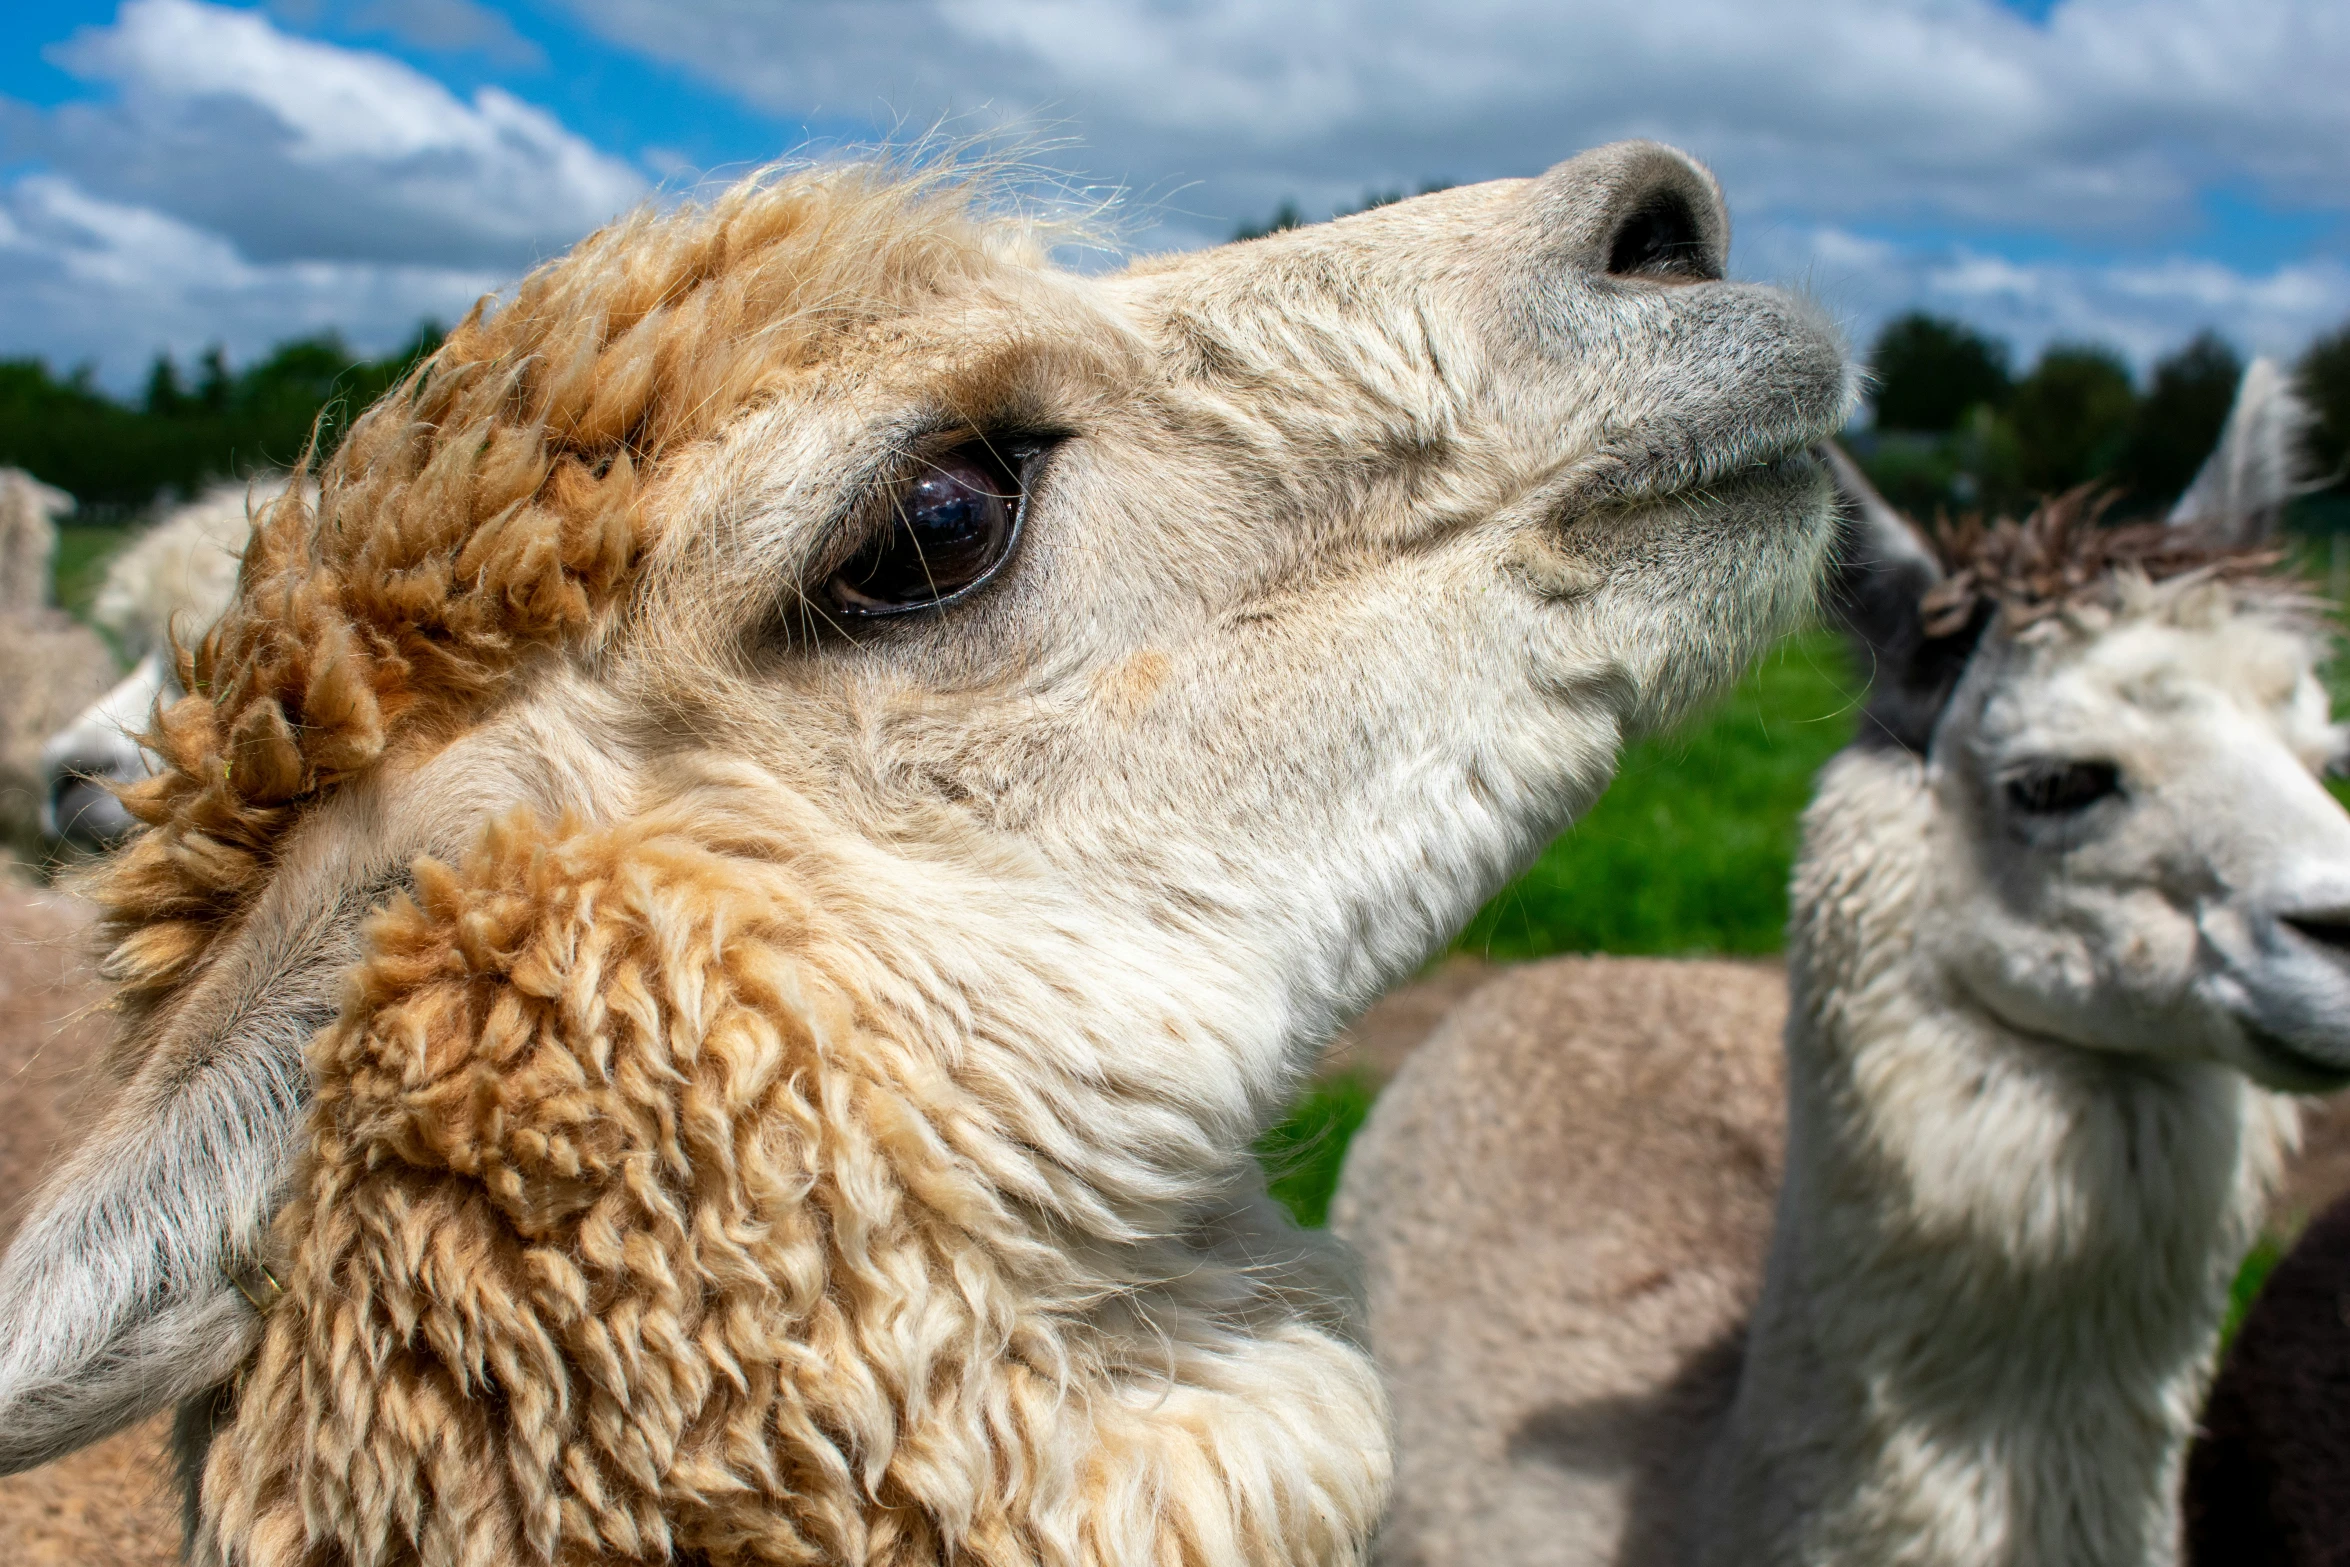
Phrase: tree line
(117, 457)
(1958, 429)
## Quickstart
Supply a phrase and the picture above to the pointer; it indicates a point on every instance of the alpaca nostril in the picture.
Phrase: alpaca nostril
(2328, 929)
(1661, 238)
(1637, 210)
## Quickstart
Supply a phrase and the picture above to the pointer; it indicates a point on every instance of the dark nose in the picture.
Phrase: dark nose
(1635, 210)
(2326, 929)
(87, 813)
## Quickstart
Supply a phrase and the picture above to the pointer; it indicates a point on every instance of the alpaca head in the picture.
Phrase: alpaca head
(170, 584)
(1142, 668)
(2124, 735)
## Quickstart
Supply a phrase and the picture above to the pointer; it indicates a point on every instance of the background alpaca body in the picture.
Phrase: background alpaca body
(791, 1101)
(2268, 1480)
(2074, 883)
(1556, 1302)
(29, 511)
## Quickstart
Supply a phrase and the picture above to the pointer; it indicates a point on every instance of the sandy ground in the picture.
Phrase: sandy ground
(109, 1505)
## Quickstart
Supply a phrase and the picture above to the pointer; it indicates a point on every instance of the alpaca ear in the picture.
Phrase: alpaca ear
(119, 1295)
(1884, 570)
(135, 1278)
(2258, 465)
(1884, 566)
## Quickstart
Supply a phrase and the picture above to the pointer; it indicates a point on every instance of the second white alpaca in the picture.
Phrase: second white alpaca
(2072, 898)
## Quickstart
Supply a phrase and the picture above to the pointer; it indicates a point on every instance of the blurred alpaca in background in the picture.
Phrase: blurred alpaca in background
(2268, 1481)
(51, 666)
(2068, 911)
(168, 586)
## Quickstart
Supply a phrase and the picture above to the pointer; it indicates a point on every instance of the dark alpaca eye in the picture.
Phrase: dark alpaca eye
(2062, 788)
(951, 530)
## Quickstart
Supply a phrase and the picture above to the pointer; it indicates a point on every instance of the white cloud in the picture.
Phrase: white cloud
(298, 150)
(2143, 307)
(450, 27)
(237, 181)
(2107, 120)
(2101, 130)
(83, 278)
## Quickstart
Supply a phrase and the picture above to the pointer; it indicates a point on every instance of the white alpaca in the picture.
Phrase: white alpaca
(723, 908)
(2074, 893)
(170, 582)
(173, 580)
(29, 511)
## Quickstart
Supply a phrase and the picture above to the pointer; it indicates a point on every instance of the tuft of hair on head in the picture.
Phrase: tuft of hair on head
(492, 508)
(1917, 601)
(2063, 554)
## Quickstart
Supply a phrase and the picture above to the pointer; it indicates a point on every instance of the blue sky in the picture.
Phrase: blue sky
(174, 173)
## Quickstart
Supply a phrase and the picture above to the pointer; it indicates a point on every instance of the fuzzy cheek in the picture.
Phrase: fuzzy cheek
(2036, 978)
(2062, 970)
(1127, 688)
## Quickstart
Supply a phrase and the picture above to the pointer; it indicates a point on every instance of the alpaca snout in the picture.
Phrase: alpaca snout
(1635, 209)
(2288, 974)
(1629, 256)
(81, 809)
(98, 749)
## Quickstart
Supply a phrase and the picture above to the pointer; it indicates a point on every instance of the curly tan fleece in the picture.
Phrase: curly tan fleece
(630, 1233)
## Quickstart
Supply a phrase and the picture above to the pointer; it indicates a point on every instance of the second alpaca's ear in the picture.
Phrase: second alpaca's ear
(1884, 570)
(2242, 487)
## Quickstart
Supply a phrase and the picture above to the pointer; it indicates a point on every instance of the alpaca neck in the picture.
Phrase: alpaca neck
(2000, 1263)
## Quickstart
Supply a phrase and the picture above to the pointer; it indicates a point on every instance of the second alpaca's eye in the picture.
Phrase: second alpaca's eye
(950, 531)
(2062, 788)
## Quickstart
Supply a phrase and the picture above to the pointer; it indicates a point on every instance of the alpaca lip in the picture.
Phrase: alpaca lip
(1617, 479)
(2295, 1068)
(1795, 462)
